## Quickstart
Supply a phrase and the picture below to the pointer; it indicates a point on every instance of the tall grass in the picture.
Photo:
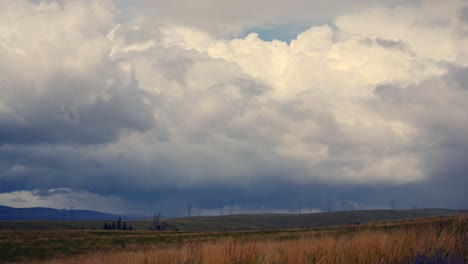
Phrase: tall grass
(432, 241)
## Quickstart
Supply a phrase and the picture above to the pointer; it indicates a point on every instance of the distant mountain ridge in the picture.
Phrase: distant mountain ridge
(44, 213)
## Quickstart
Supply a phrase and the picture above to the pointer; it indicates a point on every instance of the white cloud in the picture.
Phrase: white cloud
(419, 28)
(225, 18)
(66, 200)
(58, 79)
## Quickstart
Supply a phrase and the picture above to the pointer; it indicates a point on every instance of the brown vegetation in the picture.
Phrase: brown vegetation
(373, 243)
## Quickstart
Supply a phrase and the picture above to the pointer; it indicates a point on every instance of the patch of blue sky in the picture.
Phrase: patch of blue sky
(282, 32)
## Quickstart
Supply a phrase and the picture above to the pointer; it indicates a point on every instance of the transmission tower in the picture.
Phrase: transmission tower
(189, 210)
(330, 206)
(71, 212)
(299, 207)
(392, 204)
(220, 210)
(155, 225)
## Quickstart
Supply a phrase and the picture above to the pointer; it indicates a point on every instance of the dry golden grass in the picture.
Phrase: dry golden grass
(377, 243)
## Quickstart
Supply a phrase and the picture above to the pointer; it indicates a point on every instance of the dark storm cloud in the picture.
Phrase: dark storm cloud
(436, 106)
(63, 115)
(162, 189)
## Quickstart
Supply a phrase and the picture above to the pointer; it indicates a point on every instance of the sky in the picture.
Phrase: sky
(233, 106)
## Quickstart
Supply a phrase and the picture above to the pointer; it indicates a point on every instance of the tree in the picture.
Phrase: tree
(119, 224)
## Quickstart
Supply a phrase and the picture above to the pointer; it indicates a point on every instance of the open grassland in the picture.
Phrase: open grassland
(435, 240)
(302, 221)
(242, 222)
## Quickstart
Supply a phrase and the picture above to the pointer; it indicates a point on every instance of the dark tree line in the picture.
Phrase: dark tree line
(117, 226)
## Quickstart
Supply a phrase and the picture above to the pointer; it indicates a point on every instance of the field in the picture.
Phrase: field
(430, 240)
(244, 222)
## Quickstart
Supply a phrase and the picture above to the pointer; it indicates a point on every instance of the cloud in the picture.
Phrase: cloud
(159, 113)
(65, 200)
(225, 18)
(59, 84)
(434, 106)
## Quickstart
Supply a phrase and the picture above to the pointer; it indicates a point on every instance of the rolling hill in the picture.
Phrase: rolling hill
(47, 218)
(43, 213)
(301, 221)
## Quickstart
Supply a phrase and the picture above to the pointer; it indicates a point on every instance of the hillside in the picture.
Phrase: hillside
(241, 222)
(43, 213)
(299, 221)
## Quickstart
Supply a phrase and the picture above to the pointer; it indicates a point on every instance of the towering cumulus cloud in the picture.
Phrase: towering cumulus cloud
(155, 111)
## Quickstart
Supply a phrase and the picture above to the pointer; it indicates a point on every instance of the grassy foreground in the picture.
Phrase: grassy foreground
(435, 241)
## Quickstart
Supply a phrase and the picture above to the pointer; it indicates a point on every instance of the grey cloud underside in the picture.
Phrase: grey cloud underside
(160, 185)
(61, 116)
(435, 105)
(265, 196)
